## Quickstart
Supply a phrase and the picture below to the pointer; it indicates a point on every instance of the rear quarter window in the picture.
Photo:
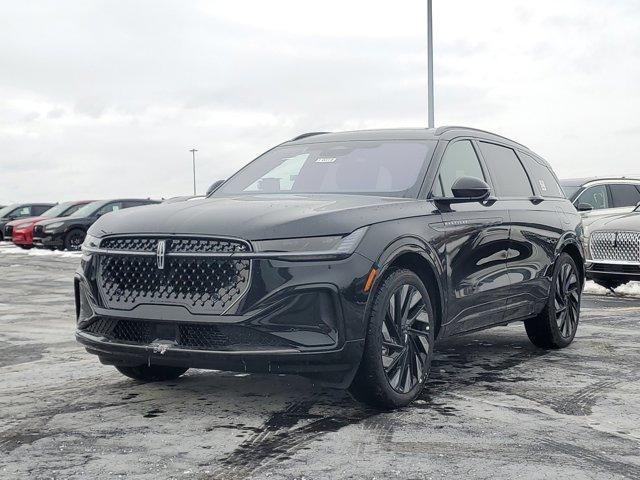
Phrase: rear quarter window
(542, 177)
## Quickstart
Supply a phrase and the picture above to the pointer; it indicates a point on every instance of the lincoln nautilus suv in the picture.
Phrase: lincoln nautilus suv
(341, 257)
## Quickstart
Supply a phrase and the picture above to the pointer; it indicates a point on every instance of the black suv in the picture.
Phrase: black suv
(17, 211)
(68, 233)
(341, 257)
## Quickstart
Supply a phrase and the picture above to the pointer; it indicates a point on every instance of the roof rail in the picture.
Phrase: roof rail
(305, 135)
(441, 130)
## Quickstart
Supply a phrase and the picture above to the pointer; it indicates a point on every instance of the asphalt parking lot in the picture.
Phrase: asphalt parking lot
(495, 406)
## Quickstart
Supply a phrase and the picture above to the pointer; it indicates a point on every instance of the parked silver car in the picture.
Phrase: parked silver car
(598, 197)
(613, 253)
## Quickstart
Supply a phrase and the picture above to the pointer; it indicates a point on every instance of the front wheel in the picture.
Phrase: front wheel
(152, 373)
(73, 239)
(398, 344)
(556, 326)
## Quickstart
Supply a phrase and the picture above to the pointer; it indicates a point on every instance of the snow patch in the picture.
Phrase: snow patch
(631, 289)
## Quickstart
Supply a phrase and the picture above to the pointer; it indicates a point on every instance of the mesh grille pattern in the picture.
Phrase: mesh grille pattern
(133, 331)
(174, 245)
(102, 326)
(202, 284)
(131, 244)
(616, 246)
(188, 335)
(225, 337)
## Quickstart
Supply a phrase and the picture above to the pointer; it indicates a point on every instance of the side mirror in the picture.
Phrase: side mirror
(467, 190)
(214, 186)
(584, 207)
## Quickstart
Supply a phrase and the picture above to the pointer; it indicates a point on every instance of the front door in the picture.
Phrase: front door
(477, 240)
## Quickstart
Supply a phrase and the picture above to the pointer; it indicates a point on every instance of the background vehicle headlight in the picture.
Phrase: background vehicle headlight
(334, 243)
(91, 242)
(53, 226)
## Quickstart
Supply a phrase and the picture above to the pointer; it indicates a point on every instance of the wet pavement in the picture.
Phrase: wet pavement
(494, 407)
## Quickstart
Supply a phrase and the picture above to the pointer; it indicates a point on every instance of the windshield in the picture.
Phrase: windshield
(59, 210)
(387, 168)
(570, 191)
(88, 210)
(6, 210)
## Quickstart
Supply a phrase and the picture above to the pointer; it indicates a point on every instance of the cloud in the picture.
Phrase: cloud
(104, 99)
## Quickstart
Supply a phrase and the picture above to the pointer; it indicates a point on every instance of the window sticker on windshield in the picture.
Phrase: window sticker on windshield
(326, 160)
(543, 185)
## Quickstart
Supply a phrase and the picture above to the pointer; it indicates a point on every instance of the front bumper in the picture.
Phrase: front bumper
(21, 238)
(48, 241)
(298, 317)
(613, 270)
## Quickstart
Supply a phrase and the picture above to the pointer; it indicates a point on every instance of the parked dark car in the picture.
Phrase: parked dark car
(19, 210)
(613, 256)
(21, 230)
(340, 257)
(68, 233)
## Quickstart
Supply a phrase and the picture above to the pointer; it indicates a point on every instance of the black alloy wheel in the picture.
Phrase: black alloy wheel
(567, 300)
(405, 338)
(557, 325)
(398, 344)
(73, 240)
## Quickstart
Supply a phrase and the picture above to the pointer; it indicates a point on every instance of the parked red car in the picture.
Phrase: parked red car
(22, 229)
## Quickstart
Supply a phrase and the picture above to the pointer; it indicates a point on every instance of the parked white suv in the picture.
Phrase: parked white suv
(598, 197)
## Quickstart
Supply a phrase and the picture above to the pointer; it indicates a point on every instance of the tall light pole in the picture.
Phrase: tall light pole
(430, 62)
(193, 153)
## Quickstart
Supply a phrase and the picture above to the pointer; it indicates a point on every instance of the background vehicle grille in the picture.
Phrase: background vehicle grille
(202, 284)
(195, 336)
(615, 246)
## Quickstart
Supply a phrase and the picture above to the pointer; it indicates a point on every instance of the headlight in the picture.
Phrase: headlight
(90, 242)
(330, 244)
(53, 226)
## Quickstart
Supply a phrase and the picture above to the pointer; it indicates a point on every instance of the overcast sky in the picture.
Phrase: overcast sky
(104, 99)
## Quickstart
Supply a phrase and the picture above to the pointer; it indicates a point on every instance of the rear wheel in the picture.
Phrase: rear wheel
(556, 326)
(152, 373)
(398, 344)
(73, 239)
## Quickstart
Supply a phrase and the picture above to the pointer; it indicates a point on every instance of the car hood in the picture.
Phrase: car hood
(66, 220)
(19, 221)
(260, 217)
(627, 222)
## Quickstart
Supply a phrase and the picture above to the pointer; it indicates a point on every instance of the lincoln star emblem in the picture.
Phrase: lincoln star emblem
(160, 253)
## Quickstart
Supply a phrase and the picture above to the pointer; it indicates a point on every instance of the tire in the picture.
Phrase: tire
(609, 283)
(73, 239)
(555, 327)
(153, 373)
(396, 361)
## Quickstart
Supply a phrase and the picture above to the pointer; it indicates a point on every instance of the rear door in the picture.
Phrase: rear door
(477, 238)
(625, 196)
(535, 226)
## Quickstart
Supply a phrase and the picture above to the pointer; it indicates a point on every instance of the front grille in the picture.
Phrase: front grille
(615, 246)
(196, 336)
(201, 284)
(38, 231)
